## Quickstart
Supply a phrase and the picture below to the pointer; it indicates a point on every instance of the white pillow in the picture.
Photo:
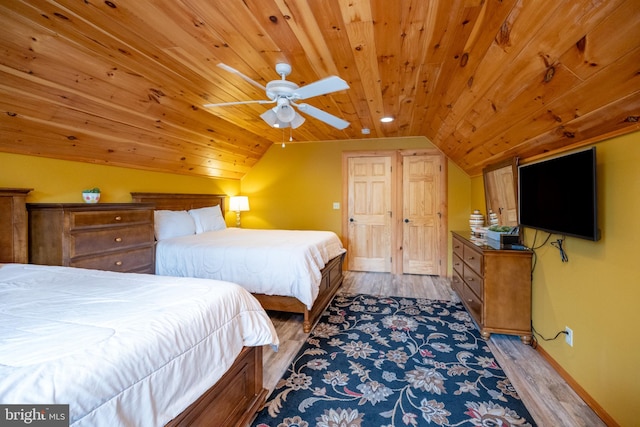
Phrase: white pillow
(208, 219)
(168, 224)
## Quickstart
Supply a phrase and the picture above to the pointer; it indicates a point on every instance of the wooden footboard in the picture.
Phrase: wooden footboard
(234, 400)
(331, 281)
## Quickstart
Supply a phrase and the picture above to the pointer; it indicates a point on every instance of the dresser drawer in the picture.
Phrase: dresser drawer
(106, 218)
(457, 264)
(474, 259)
(139, 260)
(473, 281)
(473, 304)
(457, 283)
(458, 247)
(109, 239)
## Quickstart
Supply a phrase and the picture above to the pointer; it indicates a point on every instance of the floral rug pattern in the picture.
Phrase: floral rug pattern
(385, 361)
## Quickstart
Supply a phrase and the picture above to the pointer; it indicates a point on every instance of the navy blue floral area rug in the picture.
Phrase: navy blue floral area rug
(380, 361)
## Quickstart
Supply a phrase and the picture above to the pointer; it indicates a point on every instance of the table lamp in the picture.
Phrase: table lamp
(238, 204)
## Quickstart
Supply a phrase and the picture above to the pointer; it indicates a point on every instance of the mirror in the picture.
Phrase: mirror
(501, 191)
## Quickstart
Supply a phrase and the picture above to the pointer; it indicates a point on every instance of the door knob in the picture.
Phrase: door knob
(406, 220)
(352, 220)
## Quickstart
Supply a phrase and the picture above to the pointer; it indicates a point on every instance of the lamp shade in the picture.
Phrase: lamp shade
(239, 203)
(285, 112)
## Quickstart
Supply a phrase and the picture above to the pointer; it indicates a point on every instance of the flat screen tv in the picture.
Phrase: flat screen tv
(559, 195)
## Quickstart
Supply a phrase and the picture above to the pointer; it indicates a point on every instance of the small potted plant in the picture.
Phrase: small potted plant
(91, 195)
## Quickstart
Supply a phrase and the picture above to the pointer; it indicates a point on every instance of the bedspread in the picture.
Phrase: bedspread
(271, 262)
(119, 348)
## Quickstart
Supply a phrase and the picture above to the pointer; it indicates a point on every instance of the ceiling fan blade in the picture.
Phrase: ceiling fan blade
(224, 104)
(321, 87)
(319, 114)
(247, 78)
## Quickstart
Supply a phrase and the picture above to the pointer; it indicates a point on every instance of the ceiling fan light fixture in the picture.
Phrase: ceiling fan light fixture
(284, 111)
(297, 121)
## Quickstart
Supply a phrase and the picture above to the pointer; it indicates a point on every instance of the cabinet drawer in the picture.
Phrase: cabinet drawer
(473, 281)
(457, 284)
(473, 259)
(474, 304)
(102, 218)
(457, 264)
(108, 239)
(140, 260)
(458, 247)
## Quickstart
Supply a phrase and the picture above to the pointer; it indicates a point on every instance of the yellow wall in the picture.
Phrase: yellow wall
(596, 293)
(477, 196)
(63, 181)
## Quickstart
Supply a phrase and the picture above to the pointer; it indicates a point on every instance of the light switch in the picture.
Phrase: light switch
(336, 205)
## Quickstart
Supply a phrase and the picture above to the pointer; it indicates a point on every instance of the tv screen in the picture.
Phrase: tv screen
(559, 195)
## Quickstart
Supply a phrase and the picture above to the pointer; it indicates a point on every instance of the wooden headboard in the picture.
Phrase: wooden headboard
(180, 201)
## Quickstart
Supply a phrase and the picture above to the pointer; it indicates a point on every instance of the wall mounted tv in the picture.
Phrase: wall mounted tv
(559, 195)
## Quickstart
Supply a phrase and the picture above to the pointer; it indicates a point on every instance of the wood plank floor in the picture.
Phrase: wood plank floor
(546, 395)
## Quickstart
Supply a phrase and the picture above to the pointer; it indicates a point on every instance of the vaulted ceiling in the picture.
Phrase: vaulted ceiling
(124, 82)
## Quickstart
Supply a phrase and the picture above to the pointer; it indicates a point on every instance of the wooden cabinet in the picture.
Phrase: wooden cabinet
(494, 286)
(13, 225)
(104, 236)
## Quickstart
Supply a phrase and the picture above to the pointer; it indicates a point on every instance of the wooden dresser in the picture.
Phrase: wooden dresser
(494, 286)
(102, 236)
(13, 225)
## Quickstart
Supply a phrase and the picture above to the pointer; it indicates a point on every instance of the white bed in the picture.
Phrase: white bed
(296, 271)
(270, 262)
(121, 349)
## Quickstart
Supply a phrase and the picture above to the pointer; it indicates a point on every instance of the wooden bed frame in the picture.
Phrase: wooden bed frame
(234, 400)
(331, 273)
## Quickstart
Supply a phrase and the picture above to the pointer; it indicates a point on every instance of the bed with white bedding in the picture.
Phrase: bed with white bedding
(271, 262)
(295, 271)
(123, 348)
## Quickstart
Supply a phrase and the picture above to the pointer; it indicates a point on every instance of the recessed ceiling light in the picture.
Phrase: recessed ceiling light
(386, 119)
(366, 131)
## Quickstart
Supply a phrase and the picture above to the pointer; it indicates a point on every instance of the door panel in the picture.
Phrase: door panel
(421, 216)
(369, 208)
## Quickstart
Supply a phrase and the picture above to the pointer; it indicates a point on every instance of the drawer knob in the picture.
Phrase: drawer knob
(470, 258)
(118, 218)
(118, 239)
(118, 263)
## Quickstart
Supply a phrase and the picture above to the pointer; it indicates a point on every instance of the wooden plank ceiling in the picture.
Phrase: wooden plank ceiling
(124, 82)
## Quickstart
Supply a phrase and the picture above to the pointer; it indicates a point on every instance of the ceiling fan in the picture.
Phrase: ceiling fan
(285, 95)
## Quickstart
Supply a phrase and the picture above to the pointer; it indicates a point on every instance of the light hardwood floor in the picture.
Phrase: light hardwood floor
(546, 395)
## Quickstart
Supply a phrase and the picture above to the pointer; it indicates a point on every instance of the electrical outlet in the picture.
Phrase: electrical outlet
(568, 336)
